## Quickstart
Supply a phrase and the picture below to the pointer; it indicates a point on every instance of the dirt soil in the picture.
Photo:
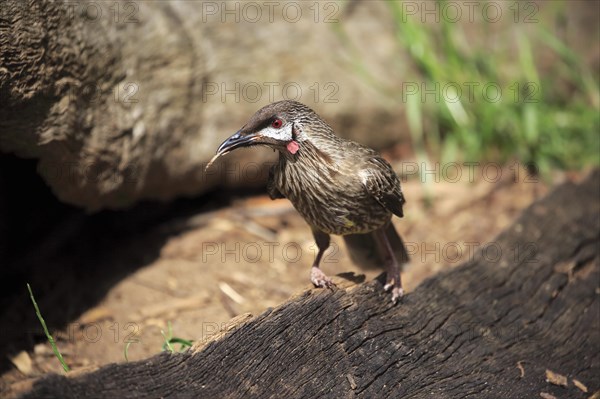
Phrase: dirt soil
(199, 270)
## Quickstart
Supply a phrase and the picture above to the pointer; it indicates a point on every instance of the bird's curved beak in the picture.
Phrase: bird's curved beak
(237, 140)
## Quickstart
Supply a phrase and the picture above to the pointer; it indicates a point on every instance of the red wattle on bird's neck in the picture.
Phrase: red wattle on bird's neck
(293, 147)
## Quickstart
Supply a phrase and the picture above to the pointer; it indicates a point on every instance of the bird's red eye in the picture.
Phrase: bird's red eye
(277, 123)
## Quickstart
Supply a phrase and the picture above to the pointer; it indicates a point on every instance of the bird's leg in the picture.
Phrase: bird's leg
(318, 278)
(393, 281)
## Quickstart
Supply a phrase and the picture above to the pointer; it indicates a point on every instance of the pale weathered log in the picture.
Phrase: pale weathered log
(126, 100)
(490, 328)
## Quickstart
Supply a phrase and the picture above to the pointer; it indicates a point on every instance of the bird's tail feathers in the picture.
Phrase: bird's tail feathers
(364, 250)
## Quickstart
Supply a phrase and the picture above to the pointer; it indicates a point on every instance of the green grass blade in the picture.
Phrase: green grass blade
(48, 335)
(126, 350)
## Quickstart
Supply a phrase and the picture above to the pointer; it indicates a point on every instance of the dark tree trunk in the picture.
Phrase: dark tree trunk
(490, 328)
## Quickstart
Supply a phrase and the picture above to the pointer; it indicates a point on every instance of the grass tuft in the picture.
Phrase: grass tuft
(547, 115)
(170, 339)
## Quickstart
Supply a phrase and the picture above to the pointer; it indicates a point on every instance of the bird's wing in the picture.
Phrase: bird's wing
(272, 190)
(383, 184)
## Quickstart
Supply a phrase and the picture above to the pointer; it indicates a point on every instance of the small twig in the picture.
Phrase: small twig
(521, 368)
(254, 228)
(231, 293)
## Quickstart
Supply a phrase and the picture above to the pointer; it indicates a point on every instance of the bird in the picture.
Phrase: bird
(340, 187)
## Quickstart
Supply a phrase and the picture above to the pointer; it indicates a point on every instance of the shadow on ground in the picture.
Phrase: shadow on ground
(70, 258)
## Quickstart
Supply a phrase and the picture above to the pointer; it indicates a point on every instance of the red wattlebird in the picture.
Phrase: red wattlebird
(338, 186)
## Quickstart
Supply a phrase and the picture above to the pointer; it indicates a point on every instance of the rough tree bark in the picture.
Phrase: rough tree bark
(490, 328)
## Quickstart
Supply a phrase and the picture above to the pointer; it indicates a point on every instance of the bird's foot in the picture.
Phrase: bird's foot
(397, 290)
(319, 279)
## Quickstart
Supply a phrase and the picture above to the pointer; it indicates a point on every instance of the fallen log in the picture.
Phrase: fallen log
(518, 320)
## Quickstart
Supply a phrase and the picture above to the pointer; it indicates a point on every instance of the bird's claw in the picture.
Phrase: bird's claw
(397, 291)
(319, 279)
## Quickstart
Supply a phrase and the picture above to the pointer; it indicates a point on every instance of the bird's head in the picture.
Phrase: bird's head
(279, 125)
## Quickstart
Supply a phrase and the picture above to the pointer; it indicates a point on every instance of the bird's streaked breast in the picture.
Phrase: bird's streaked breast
(330, 195)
